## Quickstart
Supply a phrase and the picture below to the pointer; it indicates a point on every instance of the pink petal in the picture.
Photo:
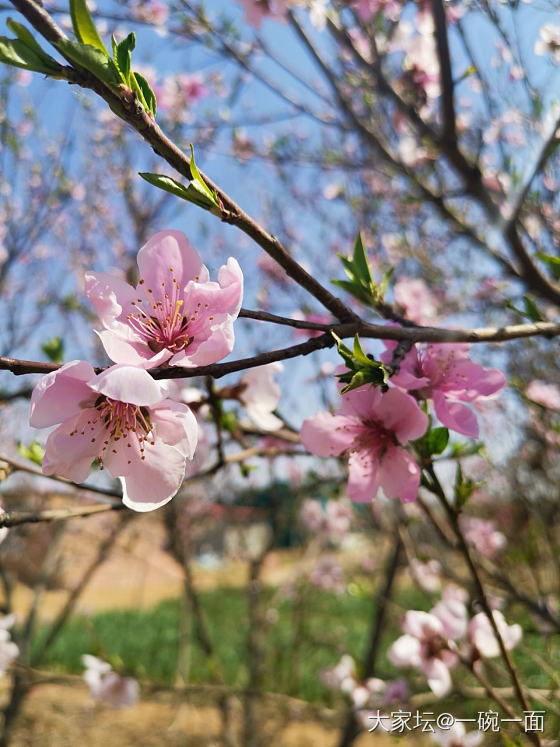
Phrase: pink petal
(166, 250)
(438, 676)
(112, 298)
(69, 455)
(363, 476)
(361, 402)
(61, 394)
(154, 481)
(399, 412)
(328, 435)
(456, 416)
(128, 384)
(421, 624)
(211, 343)
(176, 425)
(405, 652)
(399, 474)
(132, 351)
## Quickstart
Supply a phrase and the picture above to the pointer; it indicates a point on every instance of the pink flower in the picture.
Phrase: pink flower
(257, 10)
(366, 9)
(417, 301)
(482, 635)
(261, 396)
(311, 317)
(175, 315)
(122, 418)
(342, 676)
(424, 646)
(544, 394)
(108, 686)
(483, 535)
(444, 373)
(328, 575)
(426, 574)
(371, 428)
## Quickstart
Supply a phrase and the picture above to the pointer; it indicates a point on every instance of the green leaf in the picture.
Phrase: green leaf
(97, 62)
(34, 452)
(54, 349)
(122, 57)
(17, 53)
(385, 280)
(354, 289)
(438, 438)
(360, 261)
(84, 27)
(552, 262)
(149, 95)
(167, 183)
(532, 310)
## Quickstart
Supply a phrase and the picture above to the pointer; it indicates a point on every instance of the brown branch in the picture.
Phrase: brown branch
(446, 75)
(364, 329)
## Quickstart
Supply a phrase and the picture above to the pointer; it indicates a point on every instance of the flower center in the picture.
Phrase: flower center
(162, 323)
(115, 421)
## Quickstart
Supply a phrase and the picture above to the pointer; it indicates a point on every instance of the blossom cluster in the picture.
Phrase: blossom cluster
(373, 426)
(122, 417)
(432, 642)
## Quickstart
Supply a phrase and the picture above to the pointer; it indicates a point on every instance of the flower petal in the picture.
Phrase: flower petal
(454, 415)
(363, 476)
(112, 298)
(399, 474)
(61, 394)
(328, 435)
(72, 447)
(154, 481)
(165, 256)
(128, 384)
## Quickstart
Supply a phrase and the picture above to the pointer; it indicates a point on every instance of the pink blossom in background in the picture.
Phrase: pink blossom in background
(310, 317)
(257, 10)
(366, 9)
(482, 636)
(151, 11)
(544, 394)
(416, 299)
(328, 575)
(426, 575)
(108, 686)
(370, 428)
(424, 646)
(342, 676)
(121, 417)
(482, 535)
(261, 395)
(175, 315)
(8, 649)
(312, 515)
(444, 373)
(456, 736)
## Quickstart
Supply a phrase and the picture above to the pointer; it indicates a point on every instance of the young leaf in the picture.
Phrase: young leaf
(17, 53)
(54, 349)
(123, 55)
(552, 262)
(149, 95)
(360, 261)
(438, 438)
(97, 62)
(34, 452)
(84, 27)
(167, 183)
(531, 309)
